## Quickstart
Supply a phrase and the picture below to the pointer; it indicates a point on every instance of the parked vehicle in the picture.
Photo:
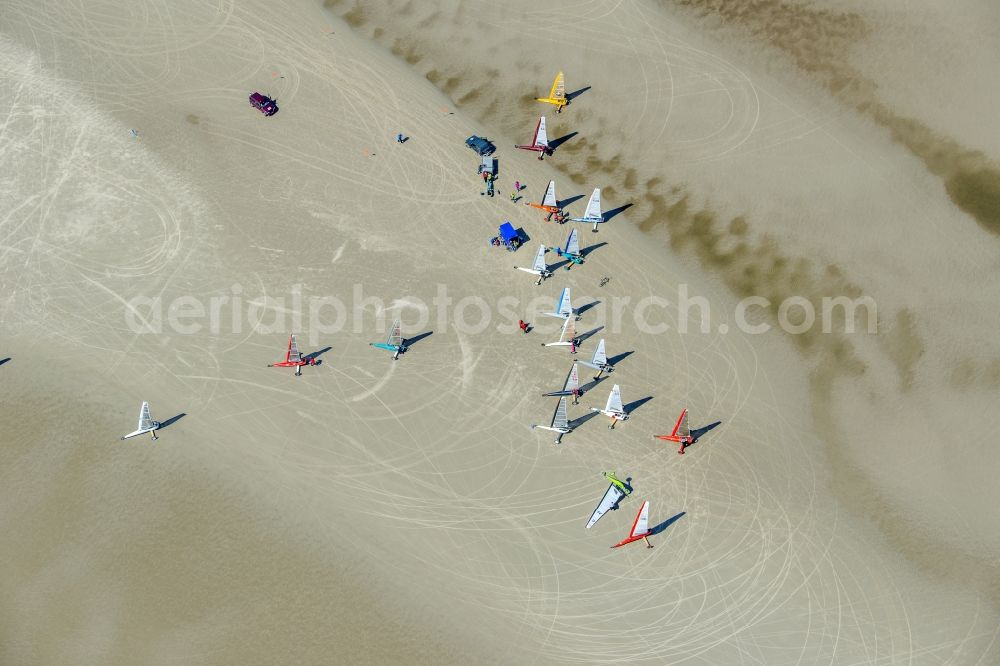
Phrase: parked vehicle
(489, 165)
(480, 145)
(263, 103)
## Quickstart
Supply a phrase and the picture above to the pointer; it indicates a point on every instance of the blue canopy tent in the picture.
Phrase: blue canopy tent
(509, 236)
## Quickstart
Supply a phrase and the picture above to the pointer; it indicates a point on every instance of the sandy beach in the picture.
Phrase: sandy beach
(161, 239)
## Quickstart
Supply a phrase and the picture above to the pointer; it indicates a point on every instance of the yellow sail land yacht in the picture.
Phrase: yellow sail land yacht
(557, 95)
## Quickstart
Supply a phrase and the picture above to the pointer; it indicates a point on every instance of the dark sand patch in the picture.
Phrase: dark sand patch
(356, 17)
(759, 267)
(991, 374)
(405, 48)
(578, 145)
(963, 375)
(818, 41)
(969, 373)
(527, 103)
(901, 343)
(470, 97)
(450, 85)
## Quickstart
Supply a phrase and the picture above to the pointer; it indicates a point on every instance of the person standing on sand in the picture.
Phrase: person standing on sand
(517, 186)
(522, 325)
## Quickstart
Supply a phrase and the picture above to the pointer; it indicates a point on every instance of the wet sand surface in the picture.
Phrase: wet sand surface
(375, 512)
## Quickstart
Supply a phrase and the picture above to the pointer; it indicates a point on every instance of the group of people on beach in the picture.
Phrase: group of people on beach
(490, 179)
